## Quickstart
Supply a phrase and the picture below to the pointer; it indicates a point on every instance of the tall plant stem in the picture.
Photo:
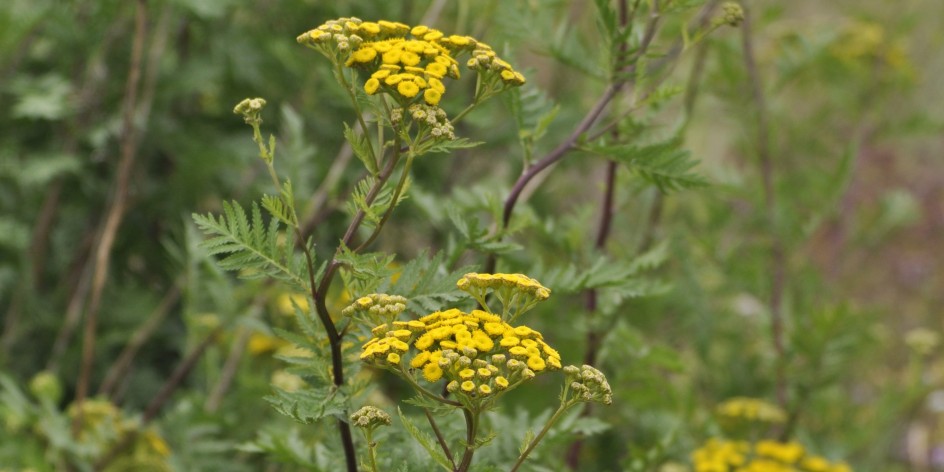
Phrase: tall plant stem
(547, 427)
(620, 79)
(471, 429)
(439, 437)
(590, 296)
(319, 293)
(116, 209)
(552, 158)
(777, 259)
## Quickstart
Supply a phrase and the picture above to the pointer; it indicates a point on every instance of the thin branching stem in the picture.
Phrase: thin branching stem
(393, 201)
(619, 81)
(537, 439)
(116, 208)
(319, 293)
(439, 437)
(349, 88)
(471, 429)
(777, 260)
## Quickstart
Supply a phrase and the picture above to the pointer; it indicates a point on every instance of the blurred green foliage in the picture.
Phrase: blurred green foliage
(683, 282)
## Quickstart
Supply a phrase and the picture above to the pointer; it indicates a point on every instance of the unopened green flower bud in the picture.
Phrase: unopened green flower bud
(45, 385)
(370, 417)
(733, 13)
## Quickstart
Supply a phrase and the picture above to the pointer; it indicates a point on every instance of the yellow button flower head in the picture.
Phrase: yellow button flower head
(408, 89)
(432, 372)
(372, 85)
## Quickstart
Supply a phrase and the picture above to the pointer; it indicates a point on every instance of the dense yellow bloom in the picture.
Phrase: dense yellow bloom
(370, 46)
(501, 382)
(478, 353)
(432, 372)
(536, 363)
(718, 455)
(788, 453)
(408, 89)
(364, 55)
(432, 97)
(371, 85)
(420, 360)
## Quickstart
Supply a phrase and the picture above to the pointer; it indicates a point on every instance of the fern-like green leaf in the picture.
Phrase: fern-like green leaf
(251, 247)
(309, 405)
(361, 147)
(664, 164)
(426, 441)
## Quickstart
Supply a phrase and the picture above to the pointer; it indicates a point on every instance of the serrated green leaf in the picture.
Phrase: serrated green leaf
(362, 148)
(662, 164)
(425, 441)
(309, 405)
(251, 248)
(446, 146)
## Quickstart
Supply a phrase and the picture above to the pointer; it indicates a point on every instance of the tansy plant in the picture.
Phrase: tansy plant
(471, 358)
(396, 77)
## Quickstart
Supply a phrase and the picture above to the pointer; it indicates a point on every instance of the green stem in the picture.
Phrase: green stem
(547, 426)
(439, 437)
(393, 201)
(419, 388)
(471, 428)
(371, 449)
(349, 87)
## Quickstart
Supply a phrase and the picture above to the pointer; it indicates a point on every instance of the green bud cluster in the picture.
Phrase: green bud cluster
(251, 110)
(587, 384)
(370, 417)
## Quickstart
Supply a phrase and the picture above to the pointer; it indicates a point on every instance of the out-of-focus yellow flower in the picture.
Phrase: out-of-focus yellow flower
(286, 303)
(922, 340)
(156, 443)
(262, 343)
(287, 381)
(868, 42)
(718, 455)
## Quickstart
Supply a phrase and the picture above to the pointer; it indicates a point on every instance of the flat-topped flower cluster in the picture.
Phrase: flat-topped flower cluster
(479, 354)
(407, 62)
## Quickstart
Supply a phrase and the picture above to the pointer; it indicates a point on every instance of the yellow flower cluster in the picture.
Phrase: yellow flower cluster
(103, 424)
(517, 293)
(751, 409)
(868, 42)
(485, 61)
(477, 353)
(519, 282)
(718, 455)
(402, 61)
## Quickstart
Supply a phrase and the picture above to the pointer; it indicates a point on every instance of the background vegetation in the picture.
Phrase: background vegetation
(800, 261)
